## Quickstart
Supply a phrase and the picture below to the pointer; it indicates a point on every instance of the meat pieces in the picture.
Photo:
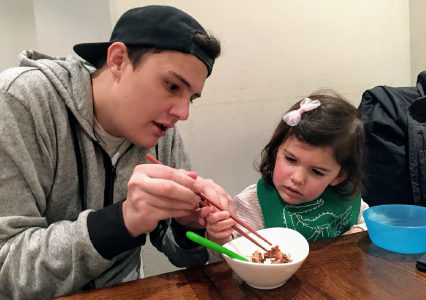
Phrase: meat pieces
(275, 256)
(257, 257)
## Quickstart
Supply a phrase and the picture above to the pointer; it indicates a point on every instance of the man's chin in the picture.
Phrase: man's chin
(146, 143)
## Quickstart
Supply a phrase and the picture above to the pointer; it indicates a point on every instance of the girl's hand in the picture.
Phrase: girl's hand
(213, 192)
(353, 230)
(219, 227)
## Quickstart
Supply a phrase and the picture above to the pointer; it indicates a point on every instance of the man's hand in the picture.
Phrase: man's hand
(158, 192)
(211, 216)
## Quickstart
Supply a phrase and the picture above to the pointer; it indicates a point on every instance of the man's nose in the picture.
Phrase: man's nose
(181, 109)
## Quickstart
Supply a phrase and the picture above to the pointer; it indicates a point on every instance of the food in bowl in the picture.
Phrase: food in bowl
(273, 256)
(268, 276)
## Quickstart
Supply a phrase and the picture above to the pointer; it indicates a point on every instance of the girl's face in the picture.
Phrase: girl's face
(302, 172)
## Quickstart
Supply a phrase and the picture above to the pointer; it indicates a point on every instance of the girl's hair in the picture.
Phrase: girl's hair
(335, 123)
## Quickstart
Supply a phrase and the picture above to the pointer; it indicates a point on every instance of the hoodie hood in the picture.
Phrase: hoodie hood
(71, 77)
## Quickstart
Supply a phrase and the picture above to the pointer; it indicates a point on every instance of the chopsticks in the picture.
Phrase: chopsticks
(205, 202)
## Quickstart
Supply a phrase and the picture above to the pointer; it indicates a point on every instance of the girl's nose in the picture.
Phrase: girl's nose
(181, 109)
(298, 177)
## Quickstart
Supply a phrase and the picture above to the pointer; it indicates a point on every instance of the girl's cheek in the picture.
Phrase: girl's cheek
(279, 172)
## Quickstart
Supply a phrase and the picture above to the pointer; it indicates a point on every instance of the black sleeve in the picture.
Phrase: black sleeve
(108, 233)
(179, 232)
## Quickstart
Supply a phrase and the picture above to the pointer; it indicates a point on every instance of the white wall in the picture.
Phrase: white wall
(61, 24)
(417, 38)
(274, 53)
(17, 30)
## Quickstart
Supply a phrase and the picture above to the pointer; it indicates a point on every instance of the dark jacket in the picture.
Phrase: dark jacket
(395, 120)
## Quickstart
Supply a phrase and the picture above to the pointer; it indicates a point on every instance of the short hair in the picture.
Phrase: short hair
(335, 123)
(209, 43)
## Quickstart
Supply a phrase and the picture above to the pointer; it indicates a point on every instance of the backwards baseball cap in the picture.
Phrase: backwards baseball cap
(154, 26)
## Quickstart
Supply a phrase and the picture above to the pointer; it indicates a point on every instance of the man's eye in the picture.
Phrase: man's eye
(172, 86)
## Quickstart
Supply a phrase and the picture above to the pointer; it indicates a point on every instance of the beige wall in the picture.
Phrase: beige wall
(417, 38)
(274, 53)
(61, 24)
(17, 30)
(50, 26)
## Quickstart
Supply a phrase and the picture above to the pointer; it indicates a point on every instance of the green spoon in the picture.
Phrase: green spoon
(212, 245)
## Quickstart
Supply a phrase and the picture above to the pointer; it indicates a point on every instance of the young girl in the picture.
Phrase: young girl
(312, 175)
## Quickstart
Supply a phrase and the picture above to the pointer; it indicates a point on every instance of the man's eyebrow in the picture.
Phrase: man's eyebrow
(185, 82)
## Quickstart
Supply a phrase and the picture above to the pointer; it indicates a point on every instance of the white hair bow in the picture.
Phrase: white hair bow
(292, 118)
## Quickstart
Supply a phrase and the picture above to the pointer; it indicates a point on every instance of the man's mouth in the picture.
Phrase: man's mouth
(161, 126)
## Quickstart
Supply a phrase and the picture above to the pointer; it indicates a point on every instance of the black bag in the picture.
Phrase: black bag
(395, 129)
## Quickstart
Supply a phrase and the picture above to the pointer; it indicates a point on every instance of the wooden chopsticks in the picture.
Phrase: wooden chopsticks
(205, 202)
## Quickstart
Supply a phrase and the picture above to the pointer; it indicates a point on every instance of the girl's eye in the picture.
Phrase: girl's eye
(290, 159)
(172, 87)
(316, 172)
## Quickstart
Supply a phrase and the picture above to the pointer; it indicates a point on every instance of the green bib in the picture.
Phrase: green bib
(328, 216)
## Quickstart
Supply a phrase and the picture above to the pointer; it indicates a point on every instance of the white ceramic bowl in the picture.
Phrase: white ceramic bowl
(268, 276)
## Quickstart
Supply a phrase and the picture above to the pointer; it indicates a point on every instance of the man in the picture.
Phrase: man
(77, 195)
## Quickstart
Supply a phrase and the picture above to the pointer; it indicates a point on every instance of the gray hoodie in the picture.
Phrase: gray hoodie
(53, 242)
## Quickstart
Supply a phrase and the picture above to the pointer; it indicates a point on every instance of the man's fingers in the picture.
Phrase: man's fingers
(207, 210)
(214, 192)
(158, 192)
(192, 174)
(224, 198)
(142, 217)
(167, 173)
(157, 202)
(174, 184)
(168, 213)
(203, 213)
(231, 206)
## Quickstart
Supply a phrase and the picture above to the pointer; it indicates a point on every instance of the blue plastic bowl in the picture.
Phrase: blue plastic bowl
(398, 228)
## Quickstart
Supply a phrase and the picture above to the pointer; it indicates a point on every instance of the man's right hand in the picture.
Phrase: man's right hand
(158, 192)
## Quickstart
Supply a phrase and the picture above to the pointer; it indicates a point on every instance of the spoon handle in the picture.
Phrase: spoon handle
(212, 245)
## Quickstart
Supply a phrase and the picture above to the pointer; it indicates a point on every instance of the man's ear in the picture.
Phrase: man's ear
(339, 178)
(116, 58)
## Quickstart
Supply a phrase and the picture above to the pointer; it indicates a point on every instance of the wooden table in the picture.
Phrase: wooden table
(348, 267)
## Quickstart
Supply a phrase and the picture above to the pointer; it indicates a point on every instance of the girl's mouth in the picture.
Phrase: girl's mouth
(292, 191)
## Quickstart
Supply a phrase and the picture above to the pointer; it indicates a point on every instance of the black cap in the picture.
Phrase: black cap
(153, 26)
